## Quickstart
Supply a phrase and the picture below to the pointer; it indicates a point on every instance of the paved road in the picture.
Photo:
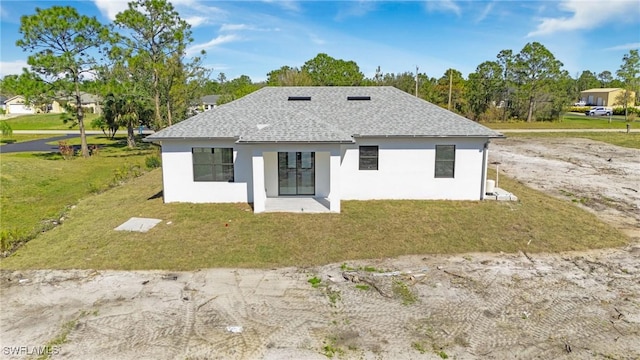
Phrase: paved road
(35, 145)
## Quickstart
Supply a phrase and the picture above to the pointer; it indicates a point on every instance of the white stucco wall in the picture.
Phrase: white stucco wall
(406, 170)
(177, 175)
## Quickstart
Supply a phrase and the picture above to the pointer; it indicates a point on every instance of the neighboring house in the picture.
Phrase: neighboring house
(3, 99)
(606, 97)
(89, 101)
(209, 101)
(331, 143)
(18, 105)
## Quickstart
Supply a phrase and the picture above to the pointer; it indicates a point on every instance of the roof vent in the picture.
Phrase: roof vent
(358, 97)
(299, 98)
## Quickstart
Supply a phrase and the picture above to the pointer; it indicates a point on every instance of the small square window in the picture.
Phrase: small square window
(368, 158)
(212, 164)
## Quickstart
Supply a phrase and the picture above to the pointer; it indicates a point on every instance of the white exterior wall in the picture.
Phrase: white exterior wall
(177, 175)
(406, 170)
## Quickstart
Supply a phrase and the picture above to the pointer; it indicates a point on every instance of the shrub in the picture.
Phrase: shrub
(152, 161)
(619, 110)
(6, 129)
(66, 150)
(125, 172)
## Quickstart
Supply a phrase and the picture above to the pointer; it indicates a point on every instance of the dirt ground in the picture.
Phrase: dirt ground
(574, 305)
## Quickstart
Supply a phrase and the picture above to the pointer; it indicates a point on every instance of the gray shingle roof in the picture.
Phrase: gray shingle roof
(210, 99)
(268, 116)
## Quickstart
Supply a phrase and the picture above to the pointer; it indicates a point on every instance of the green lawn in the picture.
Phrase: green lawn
(45, 122)
(193, 236)
(630, 140)
(15, 138)
(568, 121)
(37, 188)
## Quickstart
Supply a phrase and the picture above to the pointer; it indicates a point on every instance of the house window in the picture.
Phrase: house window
(368, 158)
(212, 164)
(445, 161)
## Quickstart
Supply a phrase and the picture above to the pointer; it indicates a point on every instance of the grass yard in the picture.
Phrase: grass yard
(193, 236)
(37, 188)
(630, 140)
(15, 138)
(45, 122)
(569, 121)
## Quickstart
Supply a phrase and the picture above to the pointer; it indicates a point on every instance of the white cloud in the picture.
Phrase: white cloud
(631, 46)
(196, 21)
(285, 4)
(485, 12)
(358, 8)
(316, 40)
(587, 15)
(443, 6)
(12, 67)
(110, 8)
(235, 27)
(221, 39)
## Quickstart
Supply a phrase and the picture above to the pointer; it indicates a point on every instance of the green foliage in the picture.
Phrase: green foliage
(363, 287)
(289, 76)
(485, 88)
(419, 347)
(629, 72)
(108, 127)
(331, 349)
(157, 38)
(5, 128)
(152, 161)
(235, 89)
(62, 43)
(126, 172)
(314, 281)
(327, 71)
(401, 290)
(535, 71)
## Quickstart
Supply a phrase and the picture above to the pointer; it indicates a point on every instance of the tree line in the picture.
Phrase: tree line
(138, 65)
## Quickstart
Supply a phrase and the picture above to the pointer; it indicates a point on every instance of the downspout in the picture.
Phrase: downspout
(483, 179)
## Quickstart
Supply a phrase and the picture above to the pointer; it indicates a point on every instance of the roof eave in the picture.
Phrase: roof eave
(295, 142)
(497, 135)
(152, 139)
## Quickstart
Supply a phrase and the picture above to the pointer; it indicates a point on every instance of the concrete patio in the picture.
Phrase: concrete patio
(297, 204)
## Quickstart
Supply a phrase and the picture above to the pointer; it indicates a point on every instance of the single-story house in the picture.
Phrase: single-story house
(3, 99)
(606, 97)
(209, 101)
(328, 143)
(89, 101)
(18, 105)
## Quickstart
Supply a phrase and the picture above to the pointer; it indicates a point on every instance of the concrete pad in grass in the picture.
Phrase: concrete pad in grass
(138, 224)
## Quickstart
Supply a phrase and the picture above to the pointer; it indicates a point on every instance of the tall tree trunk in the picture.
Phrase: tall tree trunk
(84, 148)
(530, 112)
(169, 116)
(156, 93)
(131, 138)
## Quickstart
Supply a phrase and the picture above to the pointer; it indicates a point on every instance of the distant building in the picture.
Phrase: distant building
(18, 105)
(606, 97)
(88, 101)
(209, 101)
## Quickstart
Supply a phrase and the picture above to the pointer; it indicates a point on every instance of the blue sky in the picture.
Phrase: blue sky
(254, 37)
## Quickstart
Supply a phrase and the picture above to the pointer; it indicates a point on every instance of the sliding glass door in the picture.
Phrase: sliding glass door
(296, 173)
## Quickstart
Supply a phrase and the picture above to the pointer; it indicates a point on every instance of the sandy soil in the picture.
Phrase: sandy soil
(599, 177)
(574, 305)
